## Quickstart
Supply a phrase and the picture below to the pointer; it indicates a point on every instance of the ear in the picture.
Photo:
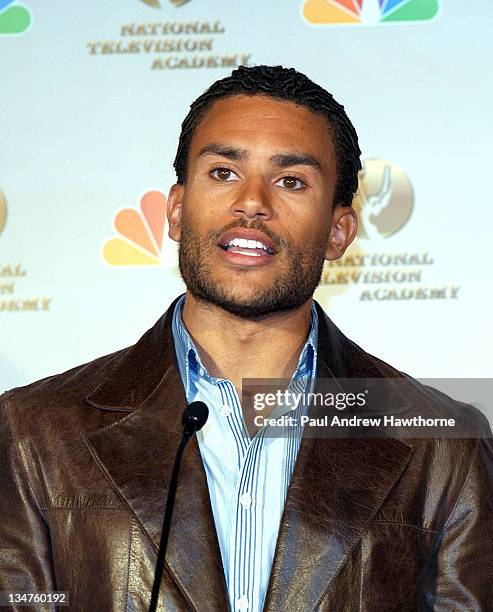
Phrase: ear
(343, 228)
(173, 211)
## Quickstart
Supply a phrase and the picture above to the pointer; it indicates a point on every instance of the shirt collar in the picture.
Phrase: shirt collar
(189, 359)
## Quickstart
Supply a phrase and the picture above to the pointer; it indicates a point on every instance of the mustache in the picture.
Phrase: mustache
(278, 241)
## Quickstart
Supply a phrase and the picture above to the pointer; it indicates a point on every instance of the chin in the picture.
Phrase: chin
(249, 304)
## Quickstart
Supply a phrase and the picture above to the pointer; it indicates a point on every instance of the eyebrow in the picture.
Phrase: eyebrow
(223, 151)
(282, 160)
(296, 159)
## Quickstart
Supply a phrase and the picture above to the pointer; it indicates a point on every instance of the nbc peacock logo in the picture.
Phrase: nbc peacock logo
(140, 233)
(368, 12)
(14, 17)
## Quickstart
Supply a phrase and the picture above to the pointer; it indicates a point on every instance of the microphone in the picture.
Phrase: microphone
(193, 418)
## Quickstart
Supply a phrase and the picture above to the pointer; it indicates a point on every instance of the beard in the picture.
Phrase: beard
(293, 286)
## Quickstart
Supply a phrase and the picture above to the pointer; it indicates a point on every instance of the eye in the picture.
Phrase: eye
(290, 182)
(223, 174)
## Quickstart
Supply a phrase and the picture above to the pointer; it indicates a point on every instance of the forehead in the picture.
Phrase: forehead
(261, 123)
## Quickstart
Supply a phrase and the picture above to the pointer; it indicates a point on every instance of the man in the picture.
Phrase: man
(267, 167)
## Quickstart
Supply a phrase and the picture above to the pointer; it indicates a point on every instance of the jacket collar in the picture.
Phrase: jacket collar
(139, 373)
(326, 511)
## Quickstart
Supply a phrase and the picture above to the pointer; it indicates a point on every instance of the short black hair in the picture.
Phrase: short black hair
(286, 84)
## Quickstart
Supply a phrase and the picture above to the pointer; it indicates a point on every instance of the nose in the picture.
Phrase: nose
(253, 201)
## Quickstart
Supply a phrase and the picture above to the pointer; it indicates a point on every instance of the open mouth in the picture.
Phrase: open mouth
(242, 246)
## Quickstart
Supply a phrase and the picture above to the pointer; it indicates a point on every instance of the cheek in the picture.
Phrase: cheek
(311, 224)
(197, 209)
(205, 211)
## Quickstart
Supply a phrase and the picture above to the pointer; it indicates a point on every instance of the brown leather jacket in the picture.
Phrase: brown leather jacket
(375, 525)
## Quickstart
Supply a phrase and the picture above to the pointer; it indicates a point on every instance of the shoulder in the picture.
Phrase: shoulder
(65, 405)
(30, 408)
(347, 360)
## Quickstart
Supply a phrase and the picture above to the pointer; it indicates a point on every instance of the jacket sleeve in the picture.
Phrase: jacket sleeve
(465, 555)
(25, 556)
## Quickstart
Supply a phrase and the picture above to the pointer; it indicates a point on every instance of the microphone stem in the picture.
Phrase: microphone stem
(168, 513)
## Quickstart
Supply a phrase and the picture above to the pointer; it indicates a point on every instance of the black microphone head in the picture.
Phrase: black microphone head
(194, 417)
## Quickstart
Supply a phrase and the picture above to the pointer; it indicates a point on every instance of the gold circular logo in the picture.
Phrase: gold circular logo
(3, 212)
(384, 200)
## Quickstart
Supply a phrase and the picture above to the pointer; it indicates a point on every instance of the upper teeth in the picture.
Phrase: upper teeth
(248, 244)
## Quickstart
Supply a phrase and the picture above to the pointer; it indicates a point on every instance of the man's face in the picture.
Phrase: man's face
(254, 218)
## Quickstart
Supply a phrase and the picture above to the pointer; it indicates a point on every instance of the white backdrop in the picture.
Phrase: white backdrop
(91, 100)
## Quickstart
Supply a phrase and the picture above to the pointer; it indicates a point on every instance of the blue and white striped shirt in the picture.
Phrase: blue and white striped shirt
(247, 479)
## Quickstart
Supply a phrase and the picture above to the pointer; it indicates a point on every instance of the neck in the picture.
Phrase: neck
(235, 348)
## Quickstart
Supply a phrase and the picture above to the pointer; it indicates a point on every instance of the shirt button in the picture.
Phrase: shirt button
(246, 500)
(201, 371)
(225, 410)
(242, 603)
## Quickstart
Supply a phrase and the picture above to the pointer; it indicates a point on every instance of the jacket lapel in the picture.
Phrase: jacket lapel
(136, 455)
(337, 487)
